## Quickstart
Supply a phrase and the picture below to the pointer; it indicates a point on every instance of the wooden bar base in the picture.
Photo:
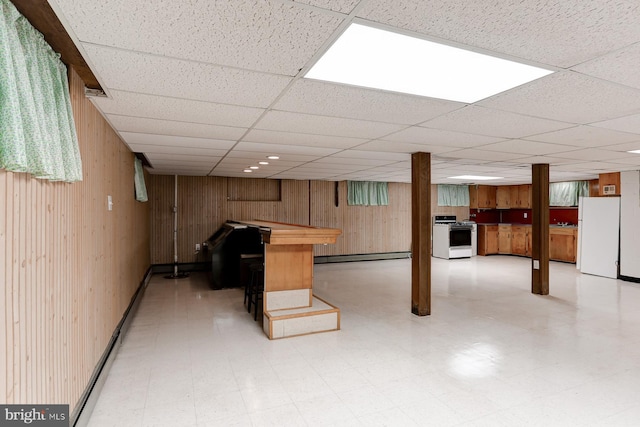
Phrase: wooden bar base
(289, 306)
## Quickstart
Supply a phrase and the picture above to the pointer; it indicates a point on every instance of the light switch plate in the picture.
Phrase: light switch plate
(536, 264)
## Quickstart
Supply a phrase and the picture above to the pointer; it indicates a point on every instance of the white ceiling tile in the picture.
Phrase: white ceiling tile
(630, 123)
(159, 75)
(425, 135)
(593, 154)
(405, 147)
(324, 125)
(629, 146)
(326, 167)
(177, 141)
(263, 155)
(520, 146)
(143, 148)
(271, 36)
(177, 171)
(585, 136)
(620, 66)
(276, 137)
(319, 98)
(570, 176)
(373, 155)
(168, 164)
(570, 97)
(285, 149)
(357, 162)
(181, 110)
(344, 6)
(553, 161)
(490, 122)
(633, 160)
(181, 158)
(561, 33)
(470, 153)
(230, 161)
(157, 126)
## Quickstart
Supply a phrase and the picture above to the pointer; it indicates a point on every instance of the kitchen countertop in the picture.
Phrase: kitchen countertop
(526, 225)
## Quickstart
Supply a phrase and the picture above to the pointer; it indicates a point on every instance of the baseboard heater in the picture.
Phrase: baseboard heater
(361, 257)
(82, 413)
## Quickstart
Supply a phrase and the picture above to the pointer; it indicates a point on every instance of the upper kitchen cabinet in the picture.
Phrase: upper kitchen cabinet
(503, 197)
(521, 196)
(482, 197)
(609, 184)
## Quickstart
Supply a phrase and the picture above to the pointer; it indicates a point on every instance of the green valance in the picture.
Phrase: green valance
(567, 193)
(367, 193)
(138, 179)
(453, 195)
(37, 131)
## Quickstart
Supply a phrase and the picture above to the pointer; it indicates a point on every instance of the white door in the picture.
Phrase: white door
(600, 236)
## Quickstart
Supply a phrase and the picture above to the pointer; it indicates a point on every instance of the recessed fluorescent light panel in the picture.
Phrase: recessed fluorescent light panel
(634, 151)
(475, 178)
(380, 59)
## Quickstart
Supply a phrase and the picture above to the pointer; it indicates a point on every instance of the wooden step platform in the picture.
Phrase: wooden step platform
(320, 316)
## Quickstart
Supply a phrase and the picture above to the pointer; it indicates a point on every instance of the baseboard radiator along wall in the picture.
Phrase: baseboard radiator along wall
(84, 408)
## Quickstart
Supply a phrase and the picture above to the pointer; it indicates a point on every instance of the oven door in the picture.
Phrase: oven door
(459, 237)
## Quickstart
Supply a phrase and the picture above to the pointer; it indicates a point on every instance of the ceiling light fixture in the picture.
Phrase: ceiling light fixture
(263, 163)
(475, 177)
(634, 151)
(248, 170)
(273, 157)
(254, 167)
(380, 59)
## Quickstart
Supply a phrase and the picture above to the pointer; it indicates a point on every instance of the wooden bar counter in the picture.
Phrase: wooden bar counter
(289, 305)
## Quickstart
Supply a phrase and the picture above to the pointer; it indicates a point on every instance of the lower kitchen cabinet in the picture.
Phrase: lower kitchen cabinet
(516, 240)
(487, 239)
(520, 242)
(504, 239)
(563, 244)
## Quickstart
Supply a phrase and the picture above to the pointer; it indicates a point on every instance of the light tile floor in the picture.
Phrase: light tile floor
(491, 353)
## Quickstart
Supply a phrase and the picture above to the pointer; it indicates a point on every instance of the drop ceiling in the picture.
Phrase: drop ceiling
(212, 87)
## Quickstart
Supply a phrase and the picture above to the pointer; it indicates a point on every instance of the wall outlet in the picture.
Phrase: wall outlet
(109, 203)
(525, 215)
(197, 246)
(536, 264)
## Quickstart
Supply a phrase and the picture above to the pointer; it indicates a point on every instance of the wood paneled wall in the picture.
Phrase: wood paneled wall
(68, 266)
(203, 207)
(365, 229)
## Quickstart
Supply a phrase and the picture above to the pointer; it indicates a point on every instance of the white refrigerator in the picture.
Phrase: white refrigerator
(599, 236)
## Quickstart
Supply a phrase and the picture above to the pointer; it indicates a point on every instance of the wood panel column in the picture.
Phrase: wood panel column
(421, 233)
(540, 229)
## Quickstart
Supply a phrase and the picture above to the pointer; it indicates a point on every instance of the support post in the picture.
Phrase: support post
(421, 234)
(540, 229)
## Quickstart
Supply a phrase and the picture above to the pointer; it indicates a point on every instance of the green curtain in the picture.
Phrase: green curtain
(567, 193)
(37, 131)
(367, 193)
(453, 195)
(138, 179)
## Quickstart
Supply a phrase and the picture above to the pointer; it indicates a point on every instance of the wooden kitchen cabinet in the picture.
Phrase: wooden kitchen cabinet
(520, 240)
(487, 239)
(520, 196)
(504, 239)
(524, 196)
(482, 196)
(563, 244)
(503, 197)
